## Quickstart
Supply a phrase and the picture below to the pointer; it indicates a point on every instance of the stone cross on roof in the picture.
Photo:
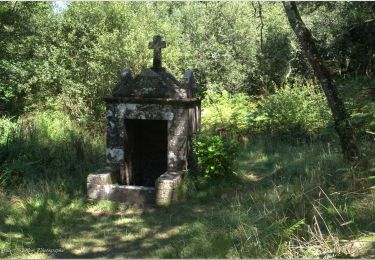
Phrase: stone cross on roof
(157, 44)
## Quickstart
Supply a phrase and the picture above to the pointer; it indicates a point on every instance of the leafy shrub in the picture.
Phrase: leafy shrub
(358, 96)
(274, 58)
(293, 111)
(230, 111)
(46, 146)
(7, 129)
(216, 156)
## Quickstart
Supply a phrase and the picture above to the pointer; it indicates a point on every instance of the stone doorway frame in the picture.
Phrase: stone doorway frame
(183, 118)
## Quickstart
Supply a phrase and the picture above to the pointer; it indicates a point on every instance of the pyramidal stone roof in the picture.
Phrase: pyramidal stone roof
(154, 82)
(151, 84)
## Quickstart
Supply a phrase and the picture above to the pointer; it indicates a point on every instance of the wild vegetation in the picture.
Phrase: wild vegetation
(271, 180)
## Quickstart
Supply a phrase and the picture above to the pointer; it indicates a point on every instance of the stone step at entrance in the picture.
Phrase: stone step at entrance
(101, 187)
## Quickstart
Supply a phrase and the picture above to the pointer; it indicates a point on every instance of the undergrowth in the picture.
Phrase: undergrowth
(293, 202)
(285, 201)
(293, 111)
(292, 199)
(44, 161)
(47, 146)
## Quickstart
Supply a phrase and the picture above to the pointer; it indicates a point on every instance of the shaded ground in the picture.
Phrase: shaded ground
(265, 214)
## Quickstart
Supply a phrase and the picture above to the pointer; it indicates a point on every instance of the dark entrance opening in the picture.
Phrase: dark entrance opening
(146, 149)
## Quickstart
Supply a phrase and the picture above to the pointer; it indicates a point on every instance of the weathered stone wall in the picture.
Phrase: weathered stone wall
(183, 120)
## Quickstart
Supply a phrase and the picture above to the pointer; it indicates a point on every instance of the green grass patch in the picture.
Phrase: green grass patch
(48, 147)
(287, 201)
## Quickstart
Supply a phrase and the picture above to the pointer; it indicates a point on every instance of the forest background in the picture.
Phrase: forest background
(57, 64)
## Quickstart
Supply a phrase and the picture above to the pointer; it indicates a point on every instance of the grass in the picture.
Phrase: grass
(48, 147)
(288, 201)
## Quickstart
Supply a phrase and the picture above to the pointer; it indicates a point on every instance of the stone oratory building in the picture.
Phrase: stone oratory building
(151, 118)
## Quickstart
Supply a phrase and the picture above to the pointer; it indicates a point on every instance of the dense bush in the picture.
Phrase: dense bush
(229, 112)
(47, 146)
(8, 128)
(294, 110)
(216, 156)
(358, 94)
(70, 60)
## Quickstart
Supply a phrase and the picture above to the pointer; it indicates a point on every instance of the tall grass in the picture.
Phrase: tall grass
(47, 147)
(287, 199)
(44, 160)
(308, 185)
(291, 202)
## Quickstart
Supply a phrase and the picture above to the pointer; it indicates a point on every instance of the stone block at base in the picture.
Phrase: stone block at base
(121, 193)
(101, 187)
(166, 187)
(99, 178)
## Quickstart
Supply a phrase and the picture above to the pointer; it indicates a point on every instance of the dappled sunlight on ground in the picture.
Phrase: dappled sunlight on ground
(250, 176)
(276, 195)
(126, 232)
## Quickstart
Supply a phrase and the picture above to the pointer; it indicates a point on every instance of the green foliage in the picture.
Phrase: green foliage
(295, 110)
(25, 41)
(8, 128)
(230, 111)
(223, 43)
(345, 37)
(275, 59)
(298, 111)
(70, 61)
(357, 93)
(80, 51)
(46, 146)
(215, 155)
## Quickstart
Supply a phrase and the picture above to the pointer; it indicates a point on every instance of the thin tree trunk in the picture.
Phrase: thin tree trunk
(261, 24)
(340, 116)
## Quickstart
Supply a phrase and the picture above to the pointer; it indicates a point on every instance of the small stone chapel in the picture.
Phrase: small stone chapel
(151, 118)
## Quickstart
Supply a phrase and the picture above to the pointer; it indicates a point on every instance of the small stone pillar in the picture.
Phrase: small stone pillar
(166, 187)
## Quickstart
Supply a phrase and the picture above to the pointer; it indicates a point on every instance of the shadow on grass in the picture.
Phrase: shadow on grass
(174, 232)
(81, 228)
(255, 218)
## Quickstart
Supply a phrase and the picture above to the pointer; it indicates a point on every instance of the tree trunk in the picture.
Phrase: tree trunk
(340, 116)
